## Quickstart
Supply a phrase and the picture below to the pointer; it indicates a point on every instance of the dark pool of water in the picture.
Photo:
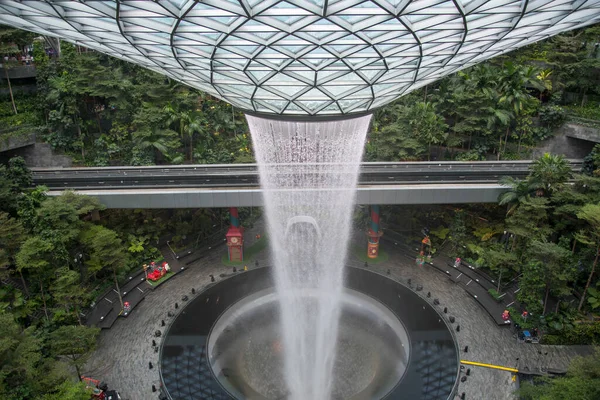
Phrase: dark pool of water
(433, 362)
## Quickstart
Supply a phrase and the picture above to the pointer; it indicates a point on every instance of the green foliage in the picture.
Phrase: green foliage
(440, 232)
(590, 110)
(552, 115)
(471, 155)
(494, 293)
(104, 111)
(549, 172)
(69, 294)
(458, 233)
(67, 390)
(592, 161)
(593, 298)
(500, 261)
(12, 40)
(532, 287)
(74, 343)
(19, 174)
(25, 373)
(579, 334)
(106, 250)
(395, 139)
(581, 382)
(550, 220)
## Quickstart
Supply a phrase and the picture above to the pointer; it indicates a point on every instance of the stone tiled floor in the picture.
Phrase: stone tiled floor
(125, 350)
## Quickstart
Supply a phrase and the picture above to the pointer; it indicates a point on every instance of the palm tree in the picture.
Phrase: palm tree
(178, 117)
(196, 124)
(512, 198)
(426, 124)
(544, 78)
(512, 88)
(500, 116)
(489, 84)
(591, 214)
(189, 123)
(550, 171)
(6, 66)
(156, 139)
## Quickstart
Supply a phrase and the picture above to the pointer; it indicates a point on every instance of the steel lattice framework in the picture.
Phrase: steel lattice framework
(303, 57)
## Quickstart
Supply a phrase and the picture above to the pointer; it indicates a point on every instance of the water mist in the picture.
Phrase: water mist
(309, 172)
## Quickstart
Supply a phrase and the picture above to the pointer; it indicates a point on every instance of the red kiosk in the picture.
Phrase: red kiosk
(235, 237)
(373, 234)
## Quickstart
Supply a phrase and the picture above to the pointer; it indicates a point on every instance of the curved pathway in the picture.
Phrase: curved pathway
(125, 351)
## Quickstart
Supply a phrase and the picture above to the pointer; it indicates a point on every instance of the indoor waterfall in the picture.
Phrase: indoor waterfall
(309, 172)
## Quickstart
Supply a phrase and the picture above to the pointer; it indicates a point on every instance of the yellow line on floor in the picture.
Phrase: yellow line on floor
(477, 364)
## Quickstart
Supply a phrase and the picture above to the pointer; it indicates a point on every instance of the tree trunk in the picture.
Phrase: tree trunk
(546, 299)
(191, 148)
(81, 140)
(429, 152)
(506, 138)
(233, 120)
(425, 96)
(499, 147)
(583, 97)
(24, 283)
(499, 280)
(181, 134)
(470, 137)
(574, 245)
(118, 288)
(98, 121)
(77, 369)
(12, 99)
(589, 281)
(78, 316)
(44, 301)
(519, 147)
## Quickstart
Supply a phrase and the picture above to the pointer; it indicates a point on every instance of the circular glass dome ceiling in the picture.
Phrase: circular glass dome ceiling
(303, 57)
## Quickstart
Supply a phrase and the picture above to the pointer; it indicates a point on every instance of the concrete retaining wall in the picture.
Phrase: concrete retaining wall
(571, 140)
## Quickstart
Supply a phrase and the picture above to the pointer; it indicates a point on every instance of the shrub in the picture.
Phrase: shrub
(552, 116)
(471, 155)
(581, 334)
(494, 293)
(590, 111)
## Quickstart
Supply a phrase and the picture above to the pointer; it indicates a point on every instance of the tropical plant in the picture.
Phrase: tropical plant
(557, 272)
(519, 189)
(591, 214)
(549, 172)
(160, 141)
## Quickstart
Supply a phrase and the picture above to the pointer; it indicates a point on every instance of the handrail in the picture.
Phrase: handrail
(252, 167)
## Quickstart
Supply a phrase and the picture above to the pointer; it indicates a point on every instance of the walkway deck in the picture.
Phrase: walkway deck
(125, 350)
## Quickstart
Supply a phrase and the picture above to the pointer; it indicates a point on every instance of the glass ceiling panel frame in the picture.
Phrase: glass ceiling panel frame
(300, 57)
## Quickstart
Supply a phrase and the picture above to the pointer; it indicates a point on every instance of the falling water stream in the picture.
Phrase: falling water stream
(309, 172)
